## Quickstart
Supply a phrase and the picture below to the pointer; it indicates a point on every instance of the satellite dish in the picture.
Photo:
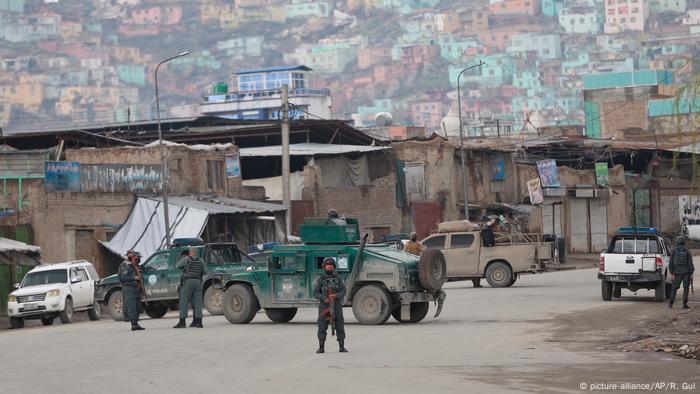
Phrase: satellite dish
(383, 119)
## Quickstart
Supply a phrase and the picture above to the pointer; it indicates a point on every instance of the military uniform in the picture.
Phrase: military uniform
(413, 247)
(681, 266)
(322, 285)
(131, 295)
(193, 268)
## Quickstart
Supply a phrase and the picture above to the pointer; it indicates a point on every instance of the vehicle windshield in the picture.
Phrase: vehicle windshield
(222, 254)
(45, 278)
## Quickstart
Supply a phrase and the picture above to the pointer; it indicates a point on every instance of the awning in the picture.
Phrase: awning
(309, 149)
(10, 245)
(144, 229)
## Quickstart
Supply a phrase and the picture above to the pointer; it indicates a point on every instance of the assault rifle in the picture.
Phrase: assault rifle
(329, 313)
(139, 283)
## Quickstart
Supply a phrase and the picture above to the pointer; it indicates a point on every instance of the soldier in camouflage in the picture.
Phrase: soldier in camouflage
(330, 289)
(131, 296)
(413, 246)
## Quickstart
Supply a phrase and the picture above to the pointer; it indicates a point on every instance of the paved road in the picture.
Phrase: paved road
(538, 336)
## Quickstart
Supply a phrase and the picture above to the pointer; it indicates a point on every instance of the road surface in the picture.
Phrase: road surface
(542, 335)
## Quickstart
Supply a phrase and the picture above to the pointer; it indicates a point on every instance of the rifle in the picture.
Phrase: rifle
(329, 313)
(139, 284)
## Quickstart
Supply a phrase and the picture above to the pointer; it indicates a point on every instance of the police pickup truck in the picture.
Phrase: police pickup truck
(161, 278)
(636, 258)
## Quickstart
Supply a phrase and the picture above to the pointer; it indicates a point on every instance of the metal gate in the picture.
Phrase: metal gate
(588, 219)
(599, 224)
(551, 219)
(578, 221)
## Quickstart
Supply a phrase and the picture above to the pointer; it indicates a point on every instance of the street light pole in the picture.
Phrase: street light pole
(163, 162)
(461, 139)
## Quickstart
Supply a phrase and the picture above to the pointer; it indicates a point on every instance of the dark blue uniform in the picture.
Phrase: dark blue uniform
(131, 293)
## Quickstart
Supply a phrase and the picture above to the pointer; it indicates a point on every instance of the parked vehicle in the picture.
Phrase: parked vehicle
(636, 258)
(161, 278)
(512, 254)
(55, 290)
(381, 281)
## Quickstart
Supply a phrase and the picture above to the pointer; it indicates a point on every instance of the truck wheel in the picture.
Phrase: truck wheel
(116, 306)
(607, 290)
(432, 269)
(47, 321)
(66, 315)
(240, 304)
(281, 315)
(372, 305)
(617, 291)
(669, 290)
(214, 301)
(499, 274)
(95, 311)
(512, 281)
(660, 291)
(561, 250)
(16, 322)
(156, 311)
(418, 312)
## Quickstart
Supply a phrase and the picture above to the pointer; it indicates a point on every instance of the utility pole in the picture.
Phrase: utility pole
(286, 199)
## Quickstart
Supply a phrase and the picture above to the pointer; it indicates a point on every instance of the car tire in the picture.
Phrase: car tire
(240, 304)
(95, 311)
(66, 315)
(606, 290)
(499, 274)
(617, 291)
(156, 311)
(419, 310)
(16, 322)
(214, 301)
(47, 321)
(115, 303)
(371, 305)
(281, 315)
(512, 282)
(660, 291)
(432, 269)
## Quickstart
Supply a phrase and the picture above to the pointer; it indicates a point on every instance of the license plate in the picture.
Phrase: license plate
(31, 307)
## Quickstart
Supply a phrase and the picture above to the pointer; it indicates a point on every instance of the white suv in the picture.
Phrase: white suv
(55, 290)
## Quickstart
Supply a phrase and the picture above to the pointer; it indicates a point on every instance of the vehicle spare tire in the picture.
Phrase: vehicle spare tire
(432, 269)
(561, 250)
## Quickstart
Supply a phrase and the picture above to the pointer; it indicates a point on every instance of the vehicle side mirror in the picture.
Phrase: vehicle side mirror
(16, 286)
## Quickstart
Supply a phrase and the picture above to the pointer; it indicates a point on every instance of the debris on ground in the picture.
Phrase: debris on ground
(677, 332)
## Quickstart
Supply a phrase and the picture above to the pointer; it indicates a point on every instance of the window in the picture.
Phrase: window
(436, 242)
(93, 273)
(74, 276)
(158, 262)
(82, 274)
(215, 174)
(462, 240)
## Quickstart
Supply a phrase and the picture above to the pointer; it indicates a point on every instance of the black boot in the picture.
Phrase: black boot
(180, 324)
(670, 304)
(198, 323)
(342, 349)
(194, 322)
(321, 346)
(135, 326)
(685, 306)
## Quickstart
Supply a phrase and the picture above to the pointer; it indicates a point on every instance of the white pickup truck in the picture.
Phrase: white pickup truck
(636, 258)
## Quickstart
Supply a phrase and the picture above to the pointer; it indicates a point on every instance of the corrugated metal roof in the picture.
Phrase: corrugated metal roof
(22, 164)
(220, 205)
(7, 245)
(308, 149)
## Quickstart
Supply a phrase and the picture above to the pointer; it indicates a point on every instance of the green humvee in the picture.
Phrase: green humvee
(161, 278)
(381, 280)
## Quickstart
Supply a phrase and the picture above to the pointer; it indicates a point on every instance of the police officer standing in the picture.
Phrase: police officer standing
(681, 268)
(329, 290)
(129, 277)
(193, 268)
(413, 246)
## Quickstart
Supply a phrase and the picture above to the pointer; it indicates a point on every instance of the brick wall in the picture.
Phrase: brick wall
(623, 115)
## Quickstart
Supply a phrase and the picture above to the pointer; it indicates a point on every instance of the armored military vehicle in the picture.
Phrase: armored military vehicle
(381, 281)
(161, 278)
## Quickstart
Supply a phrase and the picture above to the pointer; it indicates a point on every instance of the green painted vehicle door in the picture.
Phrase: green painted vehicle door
(159, 273)
(289, 278)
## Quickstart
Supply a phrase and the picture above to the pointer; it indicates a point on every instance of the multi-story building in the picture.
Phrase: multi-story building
(552, 7)
(547, 46)
(625, 15)
(580, 20)
(259, 96)
(659, 6)
(307, 8)
(515, 7)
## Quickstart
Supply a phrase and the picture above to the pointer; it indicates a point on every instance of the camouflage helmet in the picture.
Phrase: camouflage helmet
(413, 236)
(332, 214)
(680, 240)
(329, 260)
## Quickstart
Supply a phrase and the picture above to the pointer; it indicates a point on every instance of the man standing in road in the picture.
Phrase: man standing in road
(193, 268)
(681, 268)
(131, 299)
(413, 246)
(329, 290)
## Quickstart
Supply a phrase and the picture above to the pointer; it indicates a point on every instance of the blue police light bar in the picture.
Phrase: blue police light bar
(638, 230)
